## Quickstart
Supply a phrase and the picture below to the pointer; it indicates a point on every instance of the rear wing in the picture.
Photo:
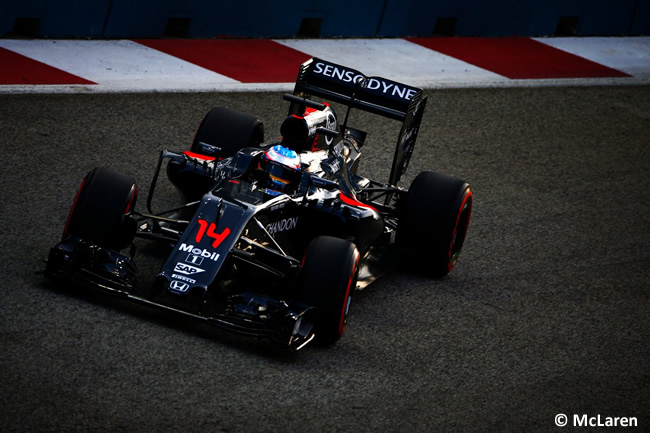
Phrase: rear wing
(376, 95)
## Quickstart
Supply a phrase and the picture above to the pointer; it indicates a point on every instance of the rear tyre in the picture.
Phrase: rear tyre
(101, 212)
(327, 281)
(434, 221)
(223, 132)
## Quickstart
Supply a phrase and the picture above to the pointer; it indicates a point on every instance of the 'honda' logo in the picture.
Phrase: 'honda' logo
(178, 286)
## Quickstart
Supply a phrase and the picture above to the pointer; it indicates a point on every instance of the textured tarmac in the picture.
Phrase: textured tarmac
(547, 312)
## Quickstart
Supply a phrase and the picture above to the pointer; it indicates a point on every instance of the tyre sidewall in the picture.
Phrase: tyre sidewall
(228, 130)
(327, 281)
(101, 212)
(430, 219)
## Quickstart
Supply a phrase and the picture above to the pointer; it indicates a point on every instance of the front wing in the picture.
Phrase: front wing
(77, 262)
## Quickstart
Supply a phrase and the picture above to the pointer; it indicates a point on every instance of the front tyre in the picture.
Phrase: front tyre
(327, 281)
(101, 212)
(434, 221)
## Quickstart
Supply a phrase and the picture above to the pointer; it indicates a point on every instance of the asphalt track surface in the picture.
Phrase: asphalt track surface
(547, 312)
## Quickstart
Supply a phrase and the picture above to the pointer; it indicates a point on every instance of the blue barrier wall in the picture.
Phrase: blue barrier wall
(53, 18)
(321, 18)
(150, 18)
(517, 17)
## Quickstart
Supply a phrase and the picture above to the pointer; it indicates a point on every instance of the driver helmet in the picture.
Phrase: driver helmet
(281, 166)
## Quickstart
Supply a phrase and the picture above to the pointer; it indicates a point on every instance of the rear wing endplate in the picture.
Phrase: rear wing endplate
(376, 95)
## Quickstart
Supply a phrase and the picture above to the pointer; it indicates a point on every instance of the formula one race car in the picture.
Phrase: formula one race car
(272, 240)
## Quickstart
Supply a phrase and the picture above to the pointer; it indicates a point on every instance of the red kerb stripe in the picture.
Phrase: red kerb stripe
(18, 69)
(518, 58)
(245, 60)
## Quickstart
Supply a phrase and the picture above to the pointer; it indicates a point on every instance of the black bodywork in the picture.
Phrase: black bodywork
(237, 247)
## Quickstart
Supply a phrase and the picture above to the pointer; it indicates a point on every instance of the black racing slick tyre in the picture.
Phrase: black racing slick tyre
(434, 221)
(101, 212)
(327, 281)
(223, 132)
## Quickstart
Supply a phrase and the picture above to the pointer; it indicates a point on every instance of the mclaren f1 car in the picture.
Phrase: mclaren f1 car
(271, 240)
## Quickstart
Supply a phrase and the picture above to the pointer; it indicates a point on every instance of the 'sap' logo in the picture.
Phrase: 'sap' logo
(186, 269)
